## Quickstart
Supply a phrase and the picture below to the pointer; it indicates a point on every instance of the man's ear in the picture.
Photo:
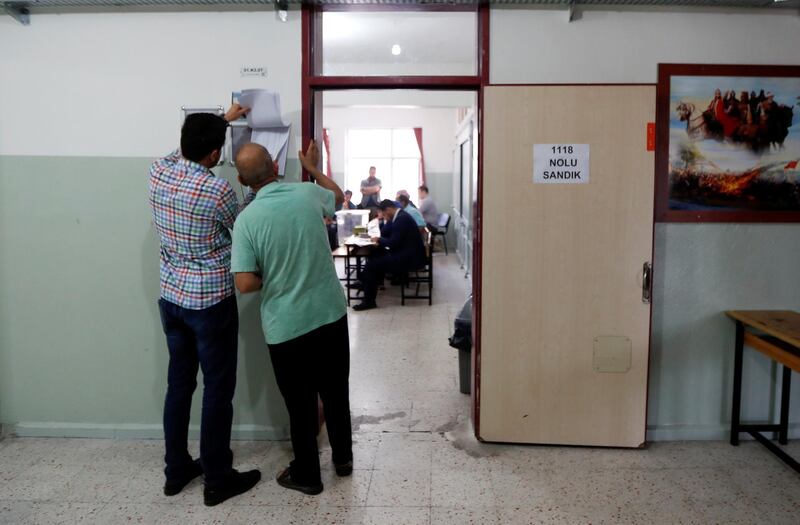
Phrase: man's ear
(215, 155)
(275, 165)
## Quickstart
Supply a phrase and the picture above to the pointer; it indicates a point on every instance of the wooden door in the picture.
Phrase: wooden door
(564, 328)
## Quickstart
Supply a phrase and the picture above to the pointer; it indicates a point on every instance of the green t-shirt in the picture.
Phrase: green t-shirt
(416, 215)
(282, 236)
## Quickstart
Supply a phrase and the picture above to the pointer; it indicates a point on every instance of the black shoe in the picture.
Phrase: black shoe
(285, 480)
(175, 486)
(237, 483)
(360, 307)
(344, 470)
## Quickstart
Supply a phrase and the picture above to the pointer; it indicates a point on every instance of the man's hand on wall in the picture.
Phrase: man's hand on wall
(235, 112)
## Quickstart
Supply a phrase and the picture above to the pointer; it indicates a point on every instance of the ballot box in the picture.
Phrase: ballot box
(347, 220)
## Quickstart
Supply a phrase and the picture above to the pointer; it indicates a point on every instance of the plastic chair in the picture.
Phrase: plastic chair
(442, 226)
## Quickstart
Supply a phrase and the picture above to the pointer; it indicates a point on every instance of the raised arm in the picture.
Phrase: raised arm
(309, 160)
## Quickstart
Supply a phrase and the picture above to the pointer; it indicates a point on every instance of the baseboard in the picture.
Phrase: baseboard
(702, 432)
(263, 432)
(136, 431)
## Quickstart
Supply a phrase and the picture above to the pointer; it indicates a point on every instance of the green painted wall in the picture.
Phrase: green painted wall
(81, 347)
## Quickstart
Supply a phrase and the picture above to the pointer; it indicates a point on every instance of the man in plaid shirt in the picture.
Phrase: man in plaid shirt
(193, 212)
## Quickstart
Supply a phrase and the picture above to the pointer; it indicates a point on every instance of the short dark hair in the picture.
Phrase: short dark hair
(403, 199)
(201, 134)
(424, 188)
(386, 203)
(348, 192)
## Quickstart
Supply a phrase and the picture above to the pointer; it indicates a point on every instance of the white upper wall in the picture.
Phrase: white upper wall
(401, 97)
(540, 46)
(113, 84)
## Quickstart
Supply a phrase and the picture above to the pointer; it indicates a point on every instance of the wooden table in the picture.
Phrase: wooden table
(776, 334)
(349, 252)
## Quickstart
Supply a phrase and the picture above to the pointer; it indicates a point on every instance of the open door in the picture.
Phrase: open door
(565, 313)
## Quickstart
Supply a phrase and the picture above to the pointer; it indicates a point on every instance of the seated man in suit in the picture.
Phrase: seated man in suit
(405, 253)
(384, 224)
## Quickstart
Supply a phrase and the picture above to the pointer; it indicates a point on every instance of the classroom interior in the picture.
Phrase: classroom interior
(518, 429)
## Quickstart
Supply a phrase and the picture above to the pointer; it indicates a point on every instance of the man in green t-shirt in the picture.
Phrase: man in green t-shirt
(280, 247)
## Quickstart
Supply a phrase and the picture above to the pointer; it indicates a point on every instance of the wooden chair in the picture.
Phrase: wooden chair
(443, 224)
(423, 275)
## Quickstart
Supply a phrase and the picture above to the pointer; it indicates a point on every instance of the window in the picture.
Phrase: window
(393, 152)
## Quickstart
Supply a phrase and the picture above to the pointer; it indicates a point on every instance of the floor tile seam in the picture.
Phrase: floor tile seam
(470, 507)
(35, 500)
(430, 485)
(379, 506)
(60, 505)
(68, 499)
(312, 504)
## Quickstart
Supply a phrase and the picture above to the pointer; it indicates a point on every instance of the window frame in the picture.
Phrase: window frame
(391, 158)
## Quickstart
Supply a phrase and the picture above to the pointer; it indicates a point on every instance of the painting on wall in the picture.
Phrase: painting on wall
(728, 143)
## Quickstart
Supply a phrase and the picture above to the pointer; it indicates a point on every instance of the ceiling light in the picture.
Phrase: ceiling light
(396, 49)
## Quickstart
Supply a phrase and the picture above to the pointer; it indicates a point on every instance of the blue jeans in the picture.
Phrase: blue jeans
(205, 339)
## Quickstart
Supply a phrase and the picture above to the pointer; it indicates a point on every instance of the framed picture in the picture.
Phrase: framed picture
(728, 143)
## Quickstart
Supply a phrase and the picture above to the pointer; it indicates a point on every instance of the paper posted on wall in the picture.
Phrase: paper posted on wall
(265, 108)
(266, 124)
(276, 140)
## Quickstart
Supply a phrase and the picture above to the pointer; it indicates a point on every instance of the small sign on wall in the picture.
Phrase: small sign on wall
(560, 163)
(253, 71)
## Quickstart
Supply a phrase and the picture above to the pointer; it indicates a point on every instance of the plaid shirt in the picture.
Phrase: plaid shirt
(193, 211)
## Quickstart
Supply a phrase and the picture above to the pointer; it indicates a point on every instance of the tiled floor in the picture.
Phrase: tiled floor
(415, 458)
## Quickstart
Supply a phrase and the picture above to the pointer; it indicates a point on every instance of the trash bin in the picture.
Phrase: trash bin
(462, 340)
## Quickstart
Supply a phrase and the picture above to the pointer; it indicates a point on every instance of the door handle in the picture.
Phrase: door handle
(647, 282)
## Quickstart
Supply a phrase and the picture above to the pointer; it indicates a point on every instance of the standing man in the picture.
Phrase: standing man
(370, 190)
(406, 252)
(280, 248)
(428, 208)
(193, 211)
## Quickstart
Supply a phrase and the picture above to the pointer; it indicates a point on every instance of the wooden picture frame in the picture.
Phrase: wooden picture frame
(723, 158)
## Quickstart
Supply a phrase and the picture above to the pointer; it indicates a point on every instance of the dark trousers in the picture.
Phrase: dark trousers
(316, 363)
(333, 236)
(375, 271)
(205, 339)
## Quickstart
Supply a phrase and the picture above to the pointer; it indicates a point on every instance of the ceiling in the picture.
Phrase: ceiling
(21, 9)
(143, 3)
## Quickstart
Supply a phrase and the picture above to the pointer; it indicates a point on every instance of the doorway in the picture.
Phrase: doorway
(436, 48)
(404, 375)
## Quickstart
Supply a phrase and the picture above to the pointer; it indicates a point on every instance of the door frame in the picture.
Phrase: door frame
(313, 84)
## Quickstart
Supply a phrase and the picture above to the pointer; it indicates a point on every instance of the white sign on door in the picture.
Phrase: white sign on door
(560, 163)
